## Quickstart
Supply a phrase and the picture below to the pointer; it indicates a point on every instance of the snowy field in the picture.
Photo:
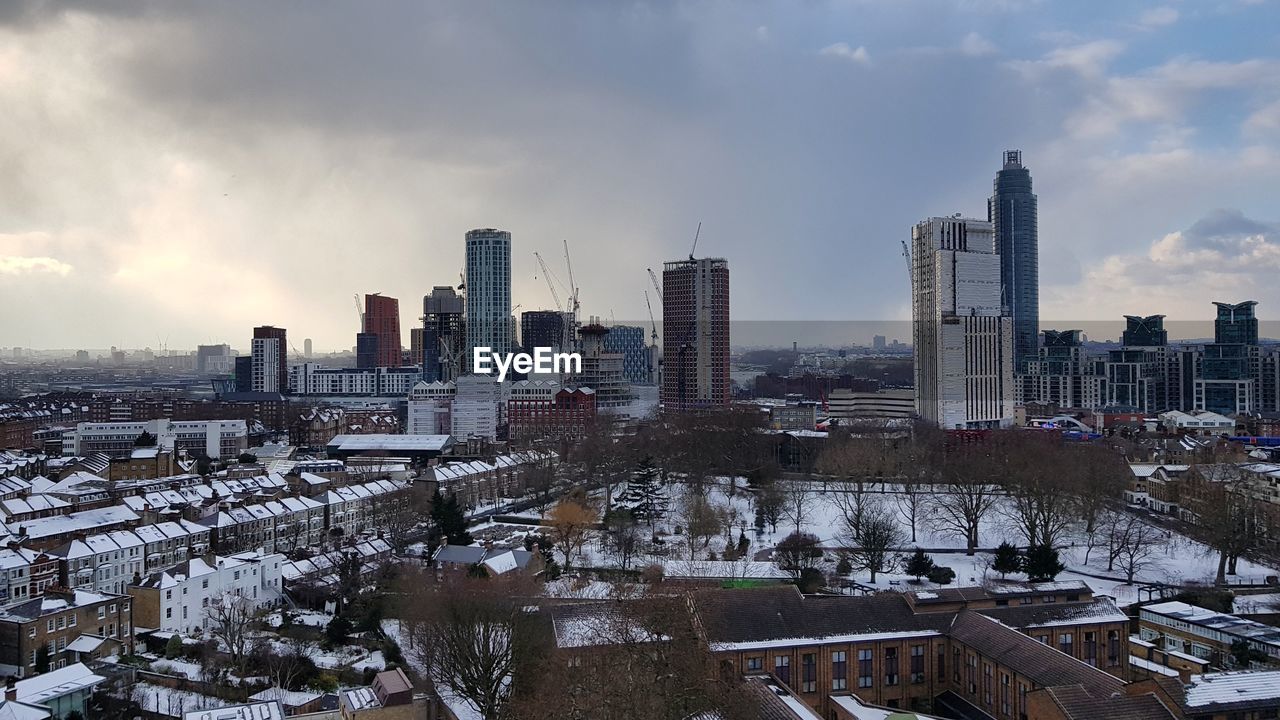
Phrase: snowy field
(1176, 559)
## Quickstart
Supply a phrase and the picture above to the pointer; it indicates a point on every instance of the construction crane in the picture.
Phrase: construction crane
(695, 240)
(359, 310)
(462, 280)
(573, 288)
(652, 322)
(653, 278)
(546, 274)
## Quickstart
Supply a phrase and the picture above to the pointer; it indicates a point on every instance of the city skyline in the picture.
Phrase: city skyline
(796, 135)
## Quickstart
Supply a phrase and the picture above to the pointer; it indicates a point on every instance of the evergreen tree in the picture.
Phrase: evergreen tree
(1042, 564)
(743, 544)
(449, 519)
(1007, 559)
(645, 495)
(919, 565)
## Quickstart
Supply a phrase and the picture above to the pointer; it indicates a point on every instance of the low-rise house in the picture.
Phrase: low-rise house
(1233, 695)
(105, 562)
(50, 532)
(62, 691)
(259, 710)
(24, 573)
(57, 620)
(390, 697)
(178, 599)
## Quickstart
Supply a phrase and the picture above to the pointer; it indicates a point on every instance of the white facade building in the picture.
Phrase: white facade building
(183, 594)
(267, 357)
(217, 438)
(475, 411)
(429, 408)
(315, 379)
(963, 336)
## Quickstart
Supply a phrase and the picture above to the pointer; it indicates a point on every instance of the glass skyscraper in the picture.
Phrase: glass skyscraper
(488, 292)
(1013, 215)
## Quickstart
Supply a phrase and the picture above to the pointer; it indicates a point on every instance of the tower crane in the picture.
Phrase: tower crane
(695, 240)
(653, 278)
(652, 322)
(359, 310)
(573, 288)
(546, 274)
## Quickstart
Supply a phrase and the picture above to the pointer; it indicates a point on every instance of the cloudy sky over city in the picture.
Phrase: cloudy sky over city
(179, 172)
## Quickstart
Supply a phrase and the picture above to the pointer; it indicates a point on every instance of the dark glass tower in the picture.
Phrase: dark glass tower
(1013, 216)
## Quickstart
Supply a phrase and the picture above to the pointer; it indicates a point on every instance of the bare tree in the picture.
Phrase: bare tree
(910, 500)
(474, 637)
(798, 552)
(1033, 468)
(958, 509)
(1231, 519)
(1136, 545)
(797, 502)
(231, 623)
(872, 544)
(701, 520)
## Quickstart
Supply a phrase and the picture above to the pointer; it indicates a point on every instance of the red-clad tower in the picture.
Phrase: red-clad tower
(382, 319)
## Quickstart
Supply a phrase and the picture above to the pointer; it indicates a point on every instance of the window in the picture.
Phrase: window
(986, 684)
(1004, 693)
(971, 673)
(31, 631)
(112, 609)
(50, 625)
(168, 612)
(808, 672)
(62, 622)
(1026, 600)
(1113, 648)
(1043, 638)
(1065, 643)
(955, 664)
(942, 664)
(864, 668)
(839, 670)
(102, 612)
(755, 663)
(168, 594)
(782, 668)
(1050, 599)
(204, 584)
(917, 663)
(891, 666)
(71, 620)
(1091, 648)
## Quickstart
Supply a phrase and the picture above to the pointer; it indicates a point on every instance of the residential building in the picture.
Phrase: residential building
(62, 692)
(1061, 373)
(963, 336)
(179, 598)
(695, 337)
(316, 379)
(366, 350)
(24, 573)
(219, 439)
(1205, 634)
(1137, 374)
(1013, 214)
(390, 697)
(103, 563)
(382, 319)
(269, 352)
(802, 416)
(214, 360)
(55, 622)
(488, 299)
(602, 371)
(1231, 367)
(543, 409)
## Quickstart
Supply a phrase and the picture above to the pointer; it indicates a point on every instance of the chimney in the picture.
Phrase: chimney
(11, 689)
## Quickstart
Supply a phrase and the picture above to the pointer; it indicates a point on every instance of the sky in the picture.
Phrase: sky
(177, 172)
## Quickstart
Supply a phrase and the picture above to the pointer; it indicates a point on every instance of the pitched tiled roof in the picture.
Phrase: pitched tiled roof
(1078, 704)
(1043, 665)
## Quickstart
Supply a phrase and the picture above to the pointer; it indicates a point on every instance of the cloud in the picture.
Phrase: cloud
(975, 45)
(1089, 59)
(1265, 120)
(1158, 17)
(1223, 255)
(844, 51)
(10, 265)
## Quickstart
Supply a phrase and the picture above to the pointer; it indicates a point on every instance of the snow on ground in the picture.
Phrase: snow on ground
(1177, 560)
(309, 618)
(182, 668)
(374, 661)
(171, 703)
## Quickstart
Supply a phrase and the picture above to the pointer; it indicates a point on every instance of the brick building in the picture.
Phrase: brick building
(57, 620)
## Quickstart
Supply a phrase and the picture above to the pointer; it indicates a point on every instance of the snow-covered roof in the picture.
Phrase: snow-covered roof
(1221, 622)
(288, 698)
(265, 710)
(56, 683)
(393, 443)
(1229, 688)
(361, 698)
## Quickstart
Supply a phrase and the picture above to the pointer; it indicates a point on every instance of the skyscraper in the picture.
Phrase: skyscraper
(1231, 367)
(270, 361)
(1013, 216)
(444, 334)
(695, 337)
(963, 338)
(488, 281)
(629, 341)
(382, 319)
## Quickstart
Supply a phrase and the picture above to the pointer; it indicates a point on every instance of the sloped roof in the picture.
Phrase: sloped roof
(1043, 665)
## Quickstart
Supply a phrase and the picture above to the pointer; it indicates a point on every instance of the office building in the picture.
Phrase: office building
(1137, 373)
(850, 406)
(628, 341)
(416, 336)
(214, 438)
(602, 371)
(475, 411)
(430, 404)
(382, 319)
(488, 301)
(963, 338)
(306, 347)
(695, 338)
(544, 328)
(1012, 213)
(367, 350)
(878, 343)
(214, 360)
(444, 334)
(270, 362)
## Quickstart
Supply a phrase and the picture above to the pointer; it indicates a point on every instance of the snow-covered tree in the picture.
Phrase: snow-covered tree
(645, 495)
